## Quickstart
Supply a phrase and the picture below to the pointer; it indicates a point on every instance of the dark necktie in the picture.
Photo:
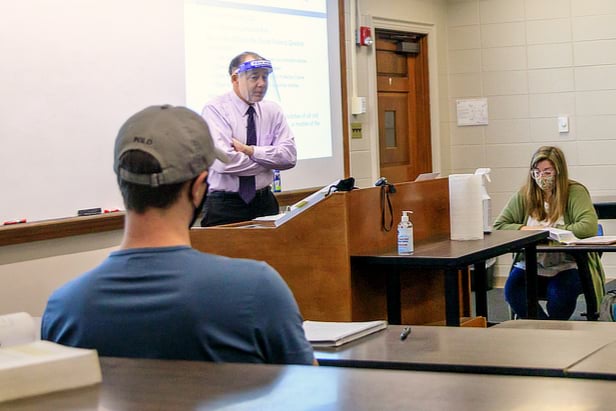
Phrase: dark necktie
(247, 183)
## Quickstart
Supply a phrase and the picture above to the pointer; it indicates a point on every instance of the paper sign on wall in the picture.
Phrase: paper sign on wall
(472, 112)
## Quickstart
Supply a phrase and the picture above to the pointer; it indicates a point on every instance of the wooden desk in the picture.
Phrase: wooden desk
(600, 364)
(580, 254)
(312, 251)
(452, 256)
(174, 385)
(469, 350)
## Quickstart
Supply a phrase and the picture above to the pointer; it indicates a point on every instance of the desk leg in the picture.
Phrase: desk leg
(581, 259)
(452, 297)
(394, 306)
(530, 255)
(481, 285)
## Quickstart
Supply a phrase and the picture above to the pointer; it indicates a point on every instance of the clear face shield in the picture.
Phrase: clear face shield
(253, 79)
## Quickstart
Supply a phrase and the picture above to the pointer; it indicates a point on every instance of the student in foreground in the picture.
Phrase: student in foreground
(550, 199)
(156, 297)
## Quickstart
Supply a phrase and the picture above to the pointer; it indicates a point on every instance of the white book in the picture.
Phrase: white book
(334, 334)
(31, 367)
(567, 237)
(562, 236)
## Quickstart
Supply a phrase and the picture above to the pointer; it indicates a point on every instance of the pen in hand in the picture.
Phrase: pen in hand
(405, 333)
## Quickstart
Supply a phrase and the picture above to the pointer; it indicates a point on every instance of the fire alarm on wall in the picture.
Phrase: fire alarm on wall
(365, 36)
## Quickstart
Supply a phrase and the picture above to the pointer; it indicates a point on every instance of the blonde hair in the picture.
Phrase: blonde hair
(534, 197)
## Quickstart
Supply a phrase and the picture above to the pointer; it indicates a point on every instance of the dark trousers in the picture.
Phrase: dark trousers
(560, 291)
(225, 208)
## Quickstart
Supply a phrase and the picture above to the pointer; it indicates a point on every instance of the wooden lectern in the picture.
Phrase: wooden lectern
(312, 251)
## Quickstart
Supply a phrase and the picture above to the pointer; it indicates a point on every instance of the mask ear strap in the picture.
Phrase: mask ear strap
(199, 208)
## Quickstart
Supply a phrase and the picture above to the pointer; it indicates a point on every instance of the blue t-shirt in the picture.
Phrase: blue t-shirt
(179, 303)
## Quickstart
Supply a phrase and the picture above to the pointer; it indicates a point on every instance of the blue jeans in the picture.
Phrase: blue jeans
(560, 291)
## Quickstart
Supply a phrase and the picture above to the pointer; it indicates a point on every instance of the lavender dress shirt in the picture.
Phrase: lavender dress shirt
(226, 117)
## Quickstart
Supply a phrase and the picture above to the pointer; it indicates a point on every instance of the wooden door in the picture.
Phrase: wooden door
(403, 107)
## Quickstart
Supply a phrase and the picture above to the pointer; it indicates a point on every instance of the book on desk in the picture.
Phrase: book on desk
(567, 237)
(29, 366)
(322, 334)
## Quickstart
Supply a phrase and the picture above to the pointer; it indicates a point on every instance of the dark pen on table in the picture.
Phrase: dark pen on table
(405, 333)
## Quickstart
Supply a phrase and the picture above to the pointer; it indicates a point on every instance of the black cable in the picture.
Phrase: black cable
(385, 190)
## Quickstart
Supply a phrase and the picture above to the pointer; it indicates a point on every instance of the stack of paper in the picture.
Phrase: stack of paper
(17, 328)
(596, 240)
(334, 334)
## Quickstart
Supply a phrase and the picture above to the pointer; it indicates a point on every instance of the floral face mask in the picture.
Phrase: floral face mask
(545, 183)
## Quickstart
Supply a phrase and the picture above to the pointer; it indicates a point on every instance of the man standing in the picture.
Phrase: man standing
(257, 139)
(157, 297)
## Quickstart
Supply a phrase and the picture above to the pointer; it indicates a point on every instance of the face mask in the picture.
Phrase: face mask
(197, 211)
(545, 183)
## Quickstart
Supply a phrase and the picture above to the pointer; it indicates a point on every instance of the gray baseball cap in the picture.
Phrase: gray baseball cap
(177, 137)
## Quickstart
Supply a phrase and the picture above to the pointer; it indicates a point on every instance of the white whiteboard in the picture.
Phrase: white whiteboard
(72, 71)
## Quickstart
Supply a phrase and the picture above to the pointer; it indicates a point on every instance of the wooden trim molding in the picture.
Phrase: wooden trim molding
(63, 227)
(72, 226)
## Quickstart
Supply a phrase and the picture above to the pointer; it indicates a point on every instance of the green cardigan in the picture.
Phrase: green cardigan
(580, 218)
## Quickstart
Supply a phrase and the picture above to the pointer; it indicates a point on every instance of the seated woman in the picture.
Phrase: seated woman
(550, 199)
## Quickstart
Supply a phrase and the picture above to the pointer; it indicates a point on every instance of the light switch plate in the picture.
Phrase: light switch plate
(355, 130)
(563, 124)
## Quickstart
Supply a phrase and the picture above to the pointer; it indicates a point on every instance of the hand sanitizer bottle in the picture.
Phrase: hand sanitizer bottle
(405, 234)
(277, 182)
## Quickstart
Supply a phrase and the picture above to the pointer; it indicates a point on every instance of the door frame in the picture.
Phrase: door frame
(430, 31)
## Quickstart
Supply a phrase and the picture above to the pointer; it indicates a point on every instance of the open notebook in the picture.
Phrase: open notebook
(334, 334)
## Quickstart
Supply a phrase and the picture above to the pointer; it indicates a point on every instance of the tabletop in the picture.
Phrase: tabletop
(446, 252)
(600, 364)
(473, 350)
(131, 384)
(592, 326)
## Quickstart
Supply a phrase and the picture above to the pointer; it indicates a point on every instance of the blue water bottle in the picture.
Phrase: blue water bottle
(277, 182)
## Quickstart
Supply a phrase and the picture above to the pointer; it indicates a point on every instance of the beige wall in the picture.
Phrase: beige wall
(30, 272)
(535, 60)
(532, 59)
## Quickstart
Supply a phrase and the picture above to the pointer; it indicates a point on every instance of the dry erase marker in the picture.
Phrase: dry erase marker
(405, 333)
(20, 221)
